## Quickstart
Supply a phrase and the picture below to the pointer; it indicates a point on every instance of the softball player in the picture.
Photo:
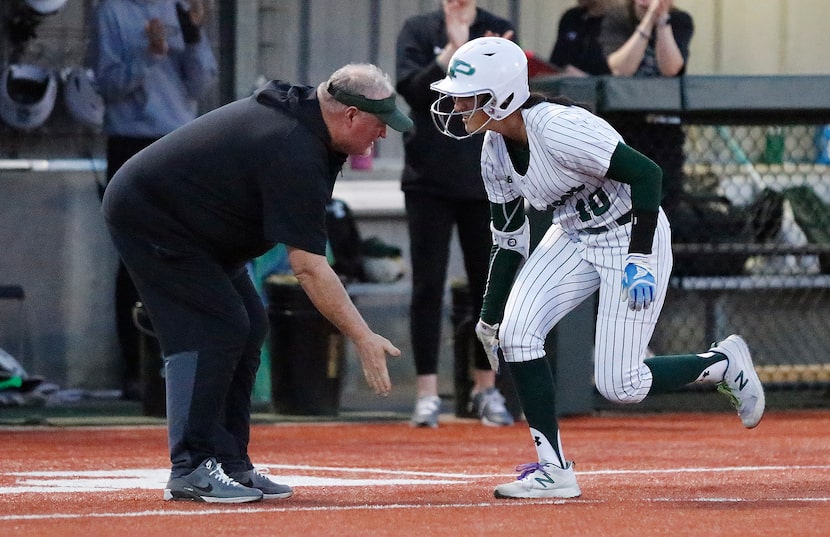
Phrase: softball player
(608, 234)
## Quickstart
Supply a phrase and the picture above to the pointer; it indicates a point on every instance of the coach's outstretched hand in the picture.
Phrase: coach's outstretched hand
(638, 283)
(326, 291)
(372, 351)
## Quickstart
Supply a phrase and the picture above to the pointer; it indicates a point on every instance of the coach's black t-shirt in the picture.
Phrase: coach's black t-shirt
(235, 181)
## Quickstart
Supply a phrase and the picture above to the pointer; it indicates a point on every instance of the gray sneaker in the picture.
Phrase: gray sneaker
(741, 383)
(427, 409)
(489, 407)
(541, 480)
(255, 479)
(209, 483)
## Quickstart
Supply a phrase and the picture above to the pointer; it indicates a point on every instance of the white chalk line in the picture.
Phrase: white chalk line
(98, 481)
(328, 509)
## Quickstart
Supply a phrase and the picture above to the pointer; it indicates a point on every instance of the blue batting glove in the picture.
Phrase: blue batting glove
(638, 283)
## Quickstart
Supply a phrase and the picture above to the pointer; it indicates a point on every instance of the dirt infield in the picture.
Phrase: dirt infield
(641, 475)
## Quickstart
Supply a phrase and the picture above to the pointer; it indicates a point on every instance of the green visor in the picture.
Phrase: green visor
(385, 109)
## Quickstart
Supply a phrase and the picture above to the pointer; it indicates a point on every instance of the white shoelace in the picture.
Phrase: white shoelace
(218, 474)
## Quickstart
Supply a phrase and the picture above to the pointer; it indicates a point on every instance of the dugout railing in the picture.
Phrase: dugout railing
(752, 256)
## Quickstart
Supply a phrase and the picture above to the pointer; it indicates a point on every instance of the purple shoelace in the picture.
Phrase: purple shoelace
(528, 468)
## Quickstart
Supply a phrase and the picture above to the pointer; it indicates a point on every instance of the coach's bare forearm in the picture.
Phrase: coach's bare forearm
(326, 291)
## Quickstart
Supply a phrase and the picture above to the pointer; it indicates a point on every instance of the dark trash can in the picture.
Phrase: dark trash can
(307, 352)
(153, 394)
(465, 345)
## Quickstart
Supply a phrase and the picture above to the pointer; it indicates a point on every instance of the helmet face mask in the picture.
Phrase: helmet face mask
(27, 95)
(491, 66)
(451, 122)
(45, 7)
(81, 97)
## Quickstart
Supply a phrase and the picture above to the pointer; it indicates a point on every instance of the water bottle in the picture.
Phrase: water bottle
(774, 148)
(823, 145)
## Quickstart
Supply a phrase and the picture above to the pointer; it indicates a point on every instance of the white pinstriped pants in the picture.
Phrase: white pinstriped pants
(564, 270)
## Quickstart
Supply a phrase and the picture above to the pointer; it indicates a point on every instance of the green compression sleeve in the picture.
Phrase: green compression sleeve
(645, 177)
(643, 174)
(503, 263)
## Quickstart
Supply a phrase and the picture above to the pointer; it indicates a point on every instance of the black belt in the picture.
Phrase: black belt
(621, 221)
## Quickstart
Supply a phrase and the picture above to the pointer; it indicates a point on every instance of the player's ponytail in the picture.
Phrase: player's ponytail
(536, 98)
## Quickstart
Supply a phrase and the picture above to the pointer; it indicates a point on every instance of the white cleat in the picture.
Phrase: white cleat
(541, 480)
(740, 382)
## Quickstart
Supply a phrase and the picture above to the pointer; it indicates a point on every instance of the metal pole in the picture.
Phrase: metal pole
(515, 14)
(374, 31)
(227, 51)
(304, 52)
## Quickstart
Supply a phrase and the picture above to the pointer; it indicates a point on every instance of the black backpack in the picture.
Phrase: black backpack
(713, 219)
(345, 241)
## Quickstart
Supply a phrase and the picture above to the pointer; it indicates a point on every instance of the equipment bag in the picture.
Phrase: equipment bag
(345, 242)
(711, 219)
(813, 217)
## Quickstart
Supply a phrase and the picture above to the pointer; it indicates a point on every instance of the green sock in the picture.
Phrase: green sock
(672, 372)
(534, 386)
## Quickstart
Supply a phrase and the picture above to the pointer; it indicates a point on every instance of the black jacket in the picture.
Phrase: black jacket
(434, 163)
(577, 43)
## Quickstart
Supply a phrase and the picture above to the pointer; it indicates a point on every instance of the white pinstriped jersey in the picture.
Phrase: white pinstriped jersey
(570, 151)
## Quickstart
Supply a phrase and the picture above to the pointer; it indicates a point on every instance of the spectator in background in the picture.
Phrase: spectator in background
(442, 189)
(577, 50)
(650, 38)
(152, 61)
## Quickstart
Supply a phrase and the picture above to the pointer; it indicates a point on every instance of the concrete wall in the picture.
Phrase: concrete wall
(55, 246)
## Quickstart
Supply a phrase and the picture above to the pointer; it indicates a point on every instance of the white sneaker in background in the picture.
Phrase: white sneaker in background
(427, 409)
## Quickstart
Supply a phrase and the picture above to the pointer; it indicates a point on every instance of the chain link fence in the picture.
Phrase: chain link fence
(750, 213)
(746, 187)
